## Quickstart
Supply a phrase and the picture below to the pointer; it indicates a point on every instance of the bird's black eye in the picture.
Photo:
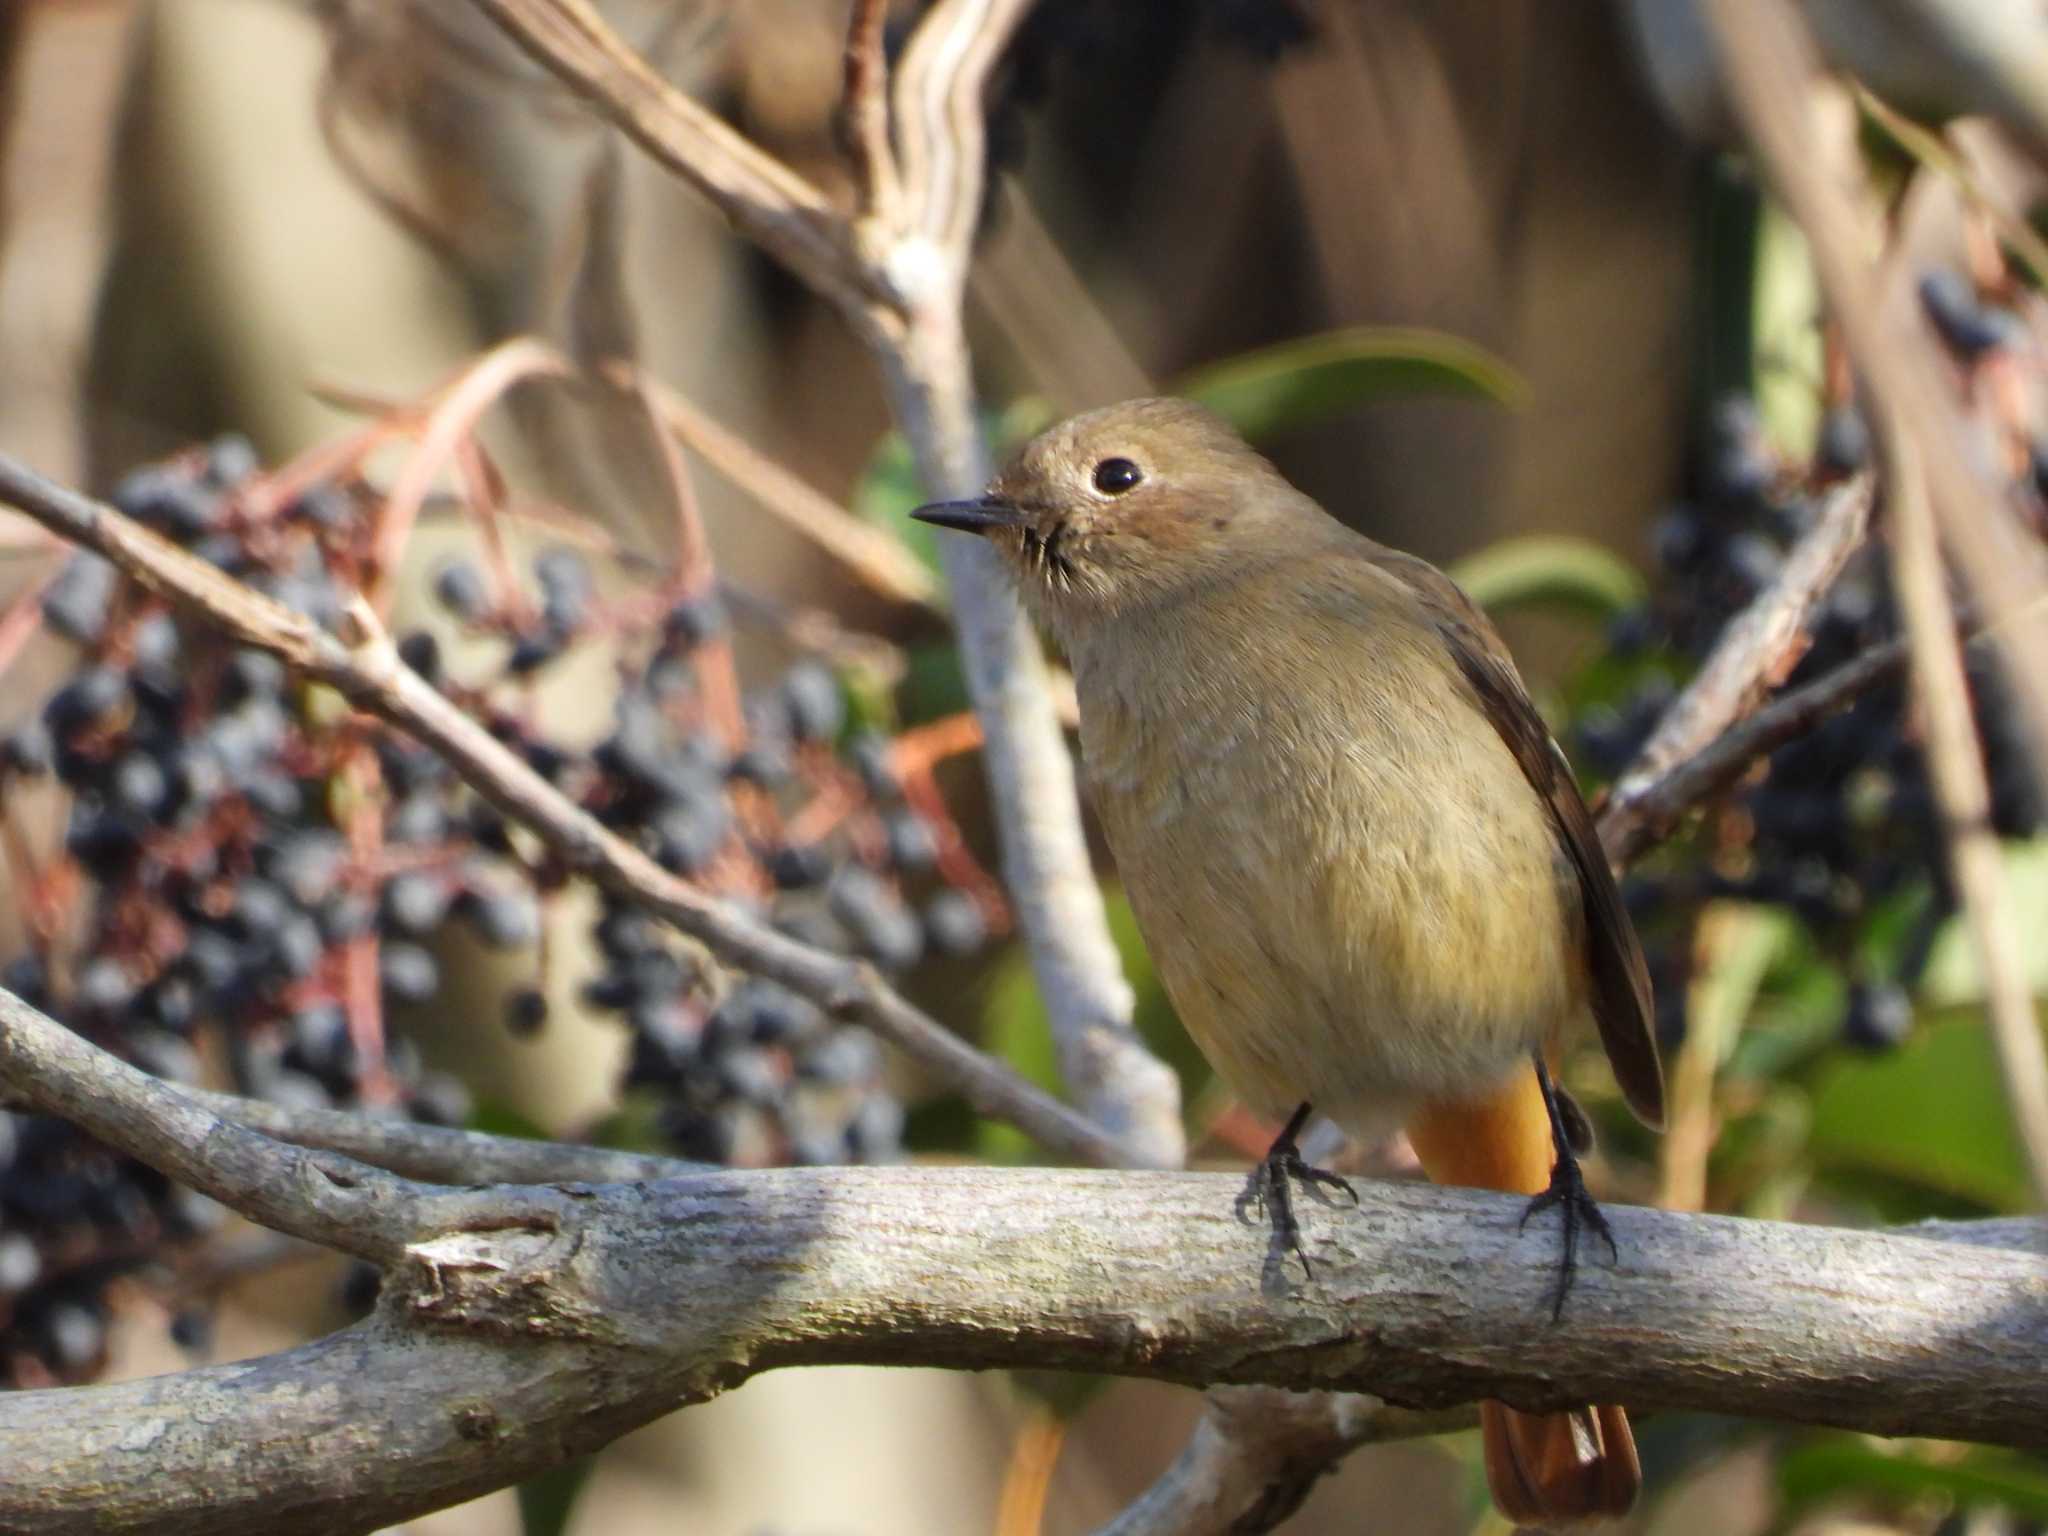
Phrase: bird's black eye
(1115, 476)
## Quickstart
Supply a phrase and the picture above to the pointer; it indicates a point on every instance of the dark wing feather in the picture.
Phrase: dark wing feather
(1620, 980)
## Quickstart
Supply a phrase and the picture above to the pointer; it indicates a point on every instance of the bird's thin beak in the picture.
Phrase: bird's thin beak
(976, 516)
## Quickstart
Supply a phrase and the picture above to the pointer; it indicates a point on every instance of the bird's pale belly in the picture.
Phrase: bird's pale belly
(1407, 949)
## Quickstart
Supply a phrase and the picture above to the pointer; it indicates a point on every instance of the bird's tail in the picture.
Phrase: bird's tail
(1543, 1468)
(1577, 1464)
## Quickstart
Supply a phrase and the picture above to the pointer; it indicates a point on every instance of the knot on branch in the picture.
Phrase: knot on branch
(517, 1282)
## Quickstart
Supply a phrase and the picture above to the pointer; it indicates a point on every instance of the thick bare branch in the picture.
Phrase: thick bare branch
(368, 672)
(497, 1353)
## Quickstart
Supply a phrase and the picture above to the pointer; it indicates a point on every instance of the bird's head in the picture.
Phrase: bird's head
(1125, 506)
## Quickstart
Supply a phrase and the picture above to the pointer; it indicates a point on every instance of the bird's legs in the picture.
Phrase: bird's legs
(1567, 1190)
(1267, 1190)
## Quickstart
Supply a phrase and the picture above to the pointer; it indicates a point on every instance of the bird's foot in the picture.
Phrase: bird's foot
(1268, 1191)
(1578, 1210)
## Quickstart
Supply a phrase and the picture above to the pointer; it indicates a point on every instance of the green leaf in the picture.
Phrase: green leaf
(1298, 383)
(1930, 1114)
(1550, 570)
(545, 1502)
(1838, 1466)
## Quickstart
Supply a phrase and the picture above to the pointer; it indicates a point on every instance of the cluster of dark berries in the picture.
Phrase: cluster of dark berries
(256, 877)
(774, 800)
(1841, 828)
(214, 894)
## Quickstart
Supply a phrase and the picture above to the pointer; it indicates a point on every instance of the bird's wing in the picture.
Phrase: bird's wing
(1620, 978)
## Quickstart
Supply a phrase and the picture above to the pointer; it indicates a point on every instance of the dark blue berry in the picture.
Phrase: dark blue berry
(409, 973)
(815, 702)
(461, 590)
(230, 459)
(77, 601)
(954, 924)
(1965, 322)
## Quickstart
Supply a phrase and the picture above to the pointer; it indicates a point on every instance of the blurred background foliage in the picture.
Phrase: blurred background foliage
(1480, 276)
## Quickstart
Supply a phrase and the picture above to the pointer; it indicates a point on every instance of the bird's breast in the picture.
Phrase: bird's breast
(1350, 894)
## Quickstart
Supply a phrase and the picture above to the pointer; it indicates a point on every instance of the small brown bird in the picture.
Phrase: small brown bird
(1361, 864)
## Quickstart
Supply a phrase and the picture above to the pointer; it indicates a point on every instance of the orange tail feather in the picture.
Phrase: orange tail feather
(1549, 1467)
(1544, 1468)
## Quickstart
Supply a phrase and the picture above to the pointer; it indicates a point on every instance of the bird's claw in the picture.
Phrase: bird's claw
(1567, 1191)
(1267, 1192)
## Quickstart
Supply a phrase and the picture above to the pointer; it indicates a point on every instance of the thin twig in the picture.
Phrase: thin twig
(321, 1197)
(447, 426)
(23, 619)
(864, 114)
(941, 126)
(1932, 149)
(1653, 807)
(440, 1154)
(1089, 1003)
(696, 573)
(899, 286)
